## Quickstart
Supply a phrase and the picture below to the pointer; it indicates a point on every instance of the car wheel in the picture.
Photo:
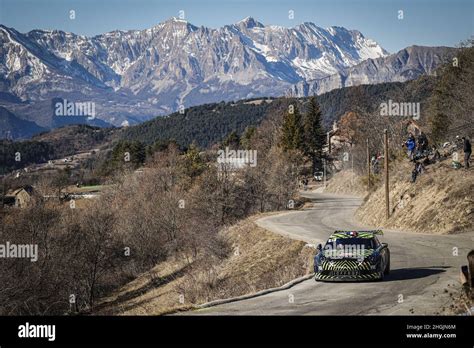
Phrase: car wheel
(382, 275)
(387, 268)
(381, 271)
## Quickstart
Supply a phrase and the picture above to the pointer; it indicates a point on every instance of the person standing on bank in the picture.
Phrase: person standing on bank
(467, 151)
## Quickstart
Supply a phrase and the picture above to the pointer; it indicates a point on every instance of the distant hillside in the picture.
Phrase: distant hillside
(210, 123)
(31, 152)
(205, 124)
(55, 144)
(13, 127)
(367, 98)
(71, 139)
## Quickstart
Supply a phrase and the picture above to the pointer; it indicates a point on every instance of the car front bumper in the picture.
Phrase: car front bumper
(353, 275)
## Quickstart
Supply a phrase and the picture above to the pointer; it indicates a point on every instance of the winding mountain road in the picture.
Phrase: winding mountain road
(423, 269)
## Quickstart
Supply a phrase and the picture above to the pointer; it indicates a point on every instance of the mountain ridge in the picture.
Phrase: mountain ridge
(134, 75)
(173, 63)
(397, 67)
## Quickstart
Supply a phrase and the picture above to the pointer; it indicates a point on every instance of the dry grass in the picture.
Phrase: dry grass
(260, 259)
(87, 189)
(346, 182)
(441, 201)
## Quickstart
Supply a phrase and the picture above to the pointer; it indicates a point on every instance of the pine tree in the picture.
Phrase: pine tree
(314, 135)
(193, 164)
(292, 129)
(246, 139)
(232, 140)
(438, 120)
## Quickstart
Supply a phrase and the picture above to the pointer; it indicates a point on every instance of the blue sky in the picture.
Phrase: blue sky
(426, 22)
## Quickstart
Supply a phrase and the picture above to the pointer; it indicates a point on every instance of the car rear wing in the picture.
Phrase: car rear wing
(377, 232)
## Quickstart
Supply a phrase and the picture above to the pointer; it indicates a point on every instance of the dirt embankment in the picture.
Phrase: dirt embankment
(346, 182)
(259, 260)
(441, 201)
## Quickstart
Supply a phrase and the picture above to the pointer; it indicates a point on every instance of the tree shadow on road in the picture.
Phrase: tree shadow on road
(414, 273)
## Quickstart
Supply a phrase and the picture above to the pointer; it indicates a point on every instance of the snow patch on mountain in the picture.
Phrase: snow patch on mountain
(176, 63)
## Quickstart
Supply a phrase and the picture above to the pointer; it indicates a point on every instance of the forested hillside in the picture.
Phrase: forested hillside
(211, 123)
(451, 106)
(204, 124)
(367, 98)
(15, 155)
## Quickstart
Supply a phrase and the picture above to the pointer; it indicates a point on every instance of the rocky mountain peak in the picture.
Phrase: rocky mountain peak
(136, 74)
(249, 23)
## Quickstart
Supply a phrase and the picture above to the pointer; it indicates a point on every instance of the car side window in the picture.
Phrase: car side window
(376, 243)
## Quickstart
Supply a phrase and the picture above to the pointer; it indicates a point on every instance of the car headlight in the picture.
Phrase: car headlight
(319, 265)
(372, 259)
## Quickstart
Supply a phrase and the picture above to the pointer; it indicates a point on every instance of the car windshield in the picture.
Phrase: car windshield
(367, 243)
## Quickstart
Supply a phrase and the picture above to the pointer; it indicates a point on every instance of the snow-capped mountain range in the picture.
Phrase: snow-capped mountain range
(134, 75)
(407, 64)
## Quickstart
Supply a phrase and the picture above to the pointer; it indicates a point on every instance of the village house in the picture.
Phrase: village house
(21, 197)
(335, 139)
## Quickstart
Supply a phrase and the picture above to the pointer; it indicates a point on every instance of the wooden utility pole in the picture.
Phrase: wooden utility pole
(368, 166)
(324, 172)
(387, 192)
(470, 271)
(328, 136)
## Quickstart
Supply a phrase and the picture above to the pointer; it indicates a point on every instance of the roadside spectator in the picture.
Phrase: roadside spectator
(414, 173)
(376, 163)
(422, 142)
(373, 163)
(421, 148)
(467, 151)
(419, 168)
(411, 146)
(305, 184)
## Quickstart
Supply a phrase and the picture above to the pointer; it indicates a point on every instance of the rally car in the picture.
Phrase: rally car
(351, 256)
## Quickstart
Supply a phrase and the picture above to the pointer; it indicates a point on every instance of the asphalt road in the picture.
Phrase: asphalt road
(423, 267)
